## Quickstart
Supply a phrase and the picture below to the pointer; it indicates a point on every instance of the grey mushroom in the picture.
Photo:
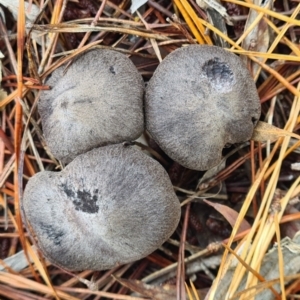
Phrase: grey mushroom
(200, 99)
(96, 101)
(110, 206)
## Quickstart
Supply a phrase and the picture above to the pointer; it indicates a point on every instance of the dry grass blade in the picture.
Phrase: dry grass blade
(279, 36)
(266, 229)
(279, 57)
(249, 269)
(189, 21)
(192, 292)
(190, 296)
(76, 28)
(280, 257)
(30, 252)
(224, 265)
(99, 293)
(253, 291)
(18, 129)
(24, 283)
(269, 12)
(256, 35)
(196, 20)
(13, 95)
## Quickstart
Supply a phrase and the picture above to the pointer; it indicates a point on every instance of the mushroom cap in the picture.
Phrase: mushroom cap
(110, 206)
(96, 101)
(199, 99)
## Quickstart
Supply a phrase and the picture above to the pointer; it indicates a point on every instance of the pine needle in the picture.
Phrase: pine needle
(189, 22)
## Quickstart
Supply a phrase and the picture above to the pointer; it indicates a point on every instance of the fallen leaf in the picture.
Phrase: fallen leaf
(229, 214)
(266, 132)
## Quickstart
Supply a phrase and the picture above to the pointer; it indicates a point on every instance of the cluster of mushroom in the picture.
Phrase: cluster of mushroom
(112, 204)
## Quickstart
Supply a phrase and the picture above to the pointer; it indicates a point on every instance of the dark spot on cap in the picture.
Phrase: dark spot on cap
(112, 70)
(53, 233)
(68, 191)
(86, 202)
(218, 73)
(64, 105)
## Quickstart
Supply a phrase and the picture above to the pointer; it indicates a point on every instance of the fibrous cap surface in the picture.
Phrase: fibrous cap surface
(199, 99)
(112, 205)
(96, 101)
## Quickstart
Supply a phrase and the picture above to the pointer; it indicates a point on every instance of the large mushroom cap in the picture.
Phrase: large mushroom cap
(112, 205)
(97, 100)
(199, 99)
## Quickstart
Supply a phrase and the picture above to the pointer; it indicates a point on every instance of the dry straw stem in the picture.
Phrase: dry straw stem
(267, 55)
(290, 44)
(27, 284)
(255, 273)
(188, 291)
(191, 291)
(27, 248)
(264, 225)
(269, 12)
(75, 28)
(279, 38)
(152, 41)
(98, 293)
(17, 139)
(102, 20)
(225, 263)
(56, 17)
(26, 89)
(189, 22)
(253, 291)
(280, 256)
(280, 78)
(289, 151)
(271, 88)
(267, 225)
(193, 22)
(249, 29)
